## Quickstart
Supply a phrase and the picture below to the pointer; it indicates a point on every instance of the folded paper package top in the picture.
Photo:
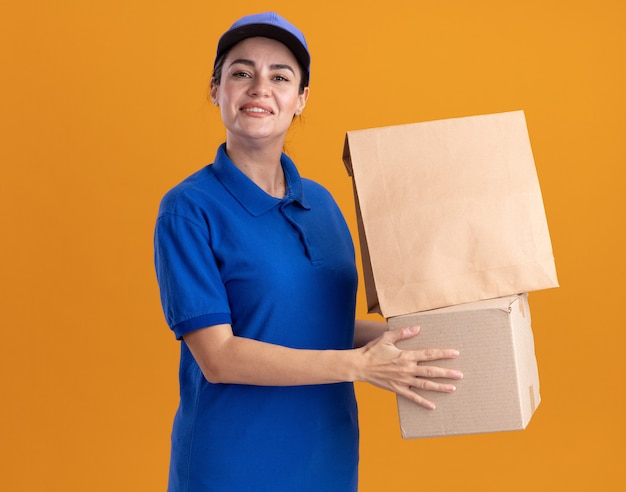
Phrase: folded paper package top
(450, 212)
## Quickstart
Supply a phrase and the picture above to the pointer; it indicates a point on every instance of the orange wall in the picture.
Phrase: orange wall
(103, 109)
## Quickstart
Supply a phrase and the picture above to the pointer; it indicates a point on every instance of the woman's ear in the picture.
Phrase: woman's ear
(302, 99)
(213, 93)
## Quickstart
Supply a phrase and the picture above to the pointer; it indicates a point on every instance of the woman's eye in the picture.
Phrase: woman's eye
(281, 78)
(242, 75)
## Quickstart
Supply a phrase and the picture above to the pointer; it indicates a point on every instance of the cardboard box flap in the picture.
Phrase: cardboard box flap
(505, 304)
(449, 211)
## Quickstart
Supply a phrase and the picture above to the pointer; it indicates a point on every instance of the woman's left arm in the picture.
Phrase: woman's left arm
(367, 330)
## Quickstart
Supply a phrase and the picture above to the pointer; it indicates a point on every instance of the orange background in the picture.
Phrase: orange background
(104, 108)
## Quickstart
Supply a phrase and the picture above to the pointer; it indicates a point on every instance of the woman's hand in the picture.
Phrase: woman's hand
(390, 368)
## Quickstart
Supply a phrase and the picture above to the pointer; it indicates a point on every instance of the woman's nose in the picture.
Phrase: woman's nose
(260, 87)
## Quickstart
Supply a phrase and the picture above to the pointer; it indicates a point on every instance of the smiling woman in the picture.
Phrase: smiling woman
(258, 281)
(258, 91)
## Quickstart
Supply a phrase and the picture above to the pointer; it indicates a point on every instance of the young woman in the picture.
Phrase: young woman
(257, 273)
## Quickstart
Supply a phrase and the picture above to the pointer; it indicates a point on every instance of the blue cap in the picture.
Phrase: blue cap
(268, 25)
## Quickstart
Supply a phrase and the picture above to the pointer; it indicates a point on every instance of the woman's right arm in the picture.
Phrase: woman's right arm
(226, 358)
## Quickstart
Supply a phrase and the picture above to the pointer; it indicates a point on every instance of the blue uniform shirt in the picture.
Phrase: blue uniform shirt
(278, 270)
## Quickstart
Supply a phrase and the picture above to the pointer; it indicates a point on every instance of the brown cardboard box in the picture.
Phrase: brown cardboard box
(500, 387)
(449, 212)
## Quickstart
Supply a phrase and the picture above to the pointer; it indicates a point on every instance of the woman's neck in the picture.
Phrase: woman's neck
(262, 165)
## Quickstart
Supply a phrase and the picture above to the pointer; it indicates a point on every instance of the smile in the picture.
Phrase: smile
(256, 110)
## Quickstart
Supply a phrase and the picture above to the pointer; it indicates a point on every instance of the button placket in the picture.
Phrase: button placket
(284, 210)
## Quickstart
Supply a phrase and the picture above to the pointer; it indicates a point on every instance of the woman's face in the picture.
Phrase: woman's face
(259, 90)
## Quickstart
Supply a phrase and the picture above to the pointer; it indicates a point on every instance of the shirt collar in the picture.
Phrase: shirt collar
(248, 194)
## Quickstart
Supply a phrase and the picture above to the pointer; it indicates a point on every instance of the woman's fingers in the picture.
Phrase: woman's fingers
(410, 391)
(394, 336)
(433, 354)
(437, 372)
(411, 395)
(409, 372)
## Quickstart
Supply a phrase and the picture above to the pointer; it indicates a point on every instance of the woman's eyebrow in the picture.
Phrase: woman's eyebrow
(275, 66)
(281, 66)
(242, 61)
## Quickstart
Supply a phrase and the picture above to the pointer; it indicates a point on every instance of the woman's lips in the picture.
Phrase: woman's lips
(256, 109)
